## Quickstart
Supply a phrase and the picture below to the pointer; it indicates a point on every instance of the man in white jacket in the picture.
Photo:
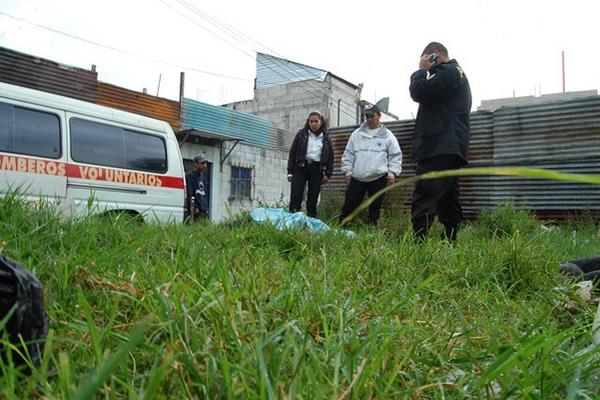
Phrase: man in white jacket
(372, 159)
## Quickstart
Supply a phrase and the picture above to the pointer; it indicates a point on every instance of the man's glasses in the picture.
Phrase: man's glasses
(369, 115)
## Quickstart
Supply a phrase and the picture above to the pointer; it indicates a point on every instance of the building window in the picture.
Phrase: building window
(241, 182)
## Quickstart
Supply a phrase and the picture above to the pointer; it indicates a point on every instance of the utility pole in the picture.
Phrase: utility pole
(563, 71)
(181, 85)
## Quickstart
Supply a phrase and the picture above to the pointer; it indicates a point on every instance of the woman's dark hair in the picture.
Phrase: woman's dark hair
(323, 127)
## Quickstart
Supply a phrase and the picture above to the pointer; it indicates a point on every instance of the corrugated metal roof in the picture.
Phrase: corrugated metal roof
(139, 103)
(253, 130)
(271, 70)
(562, 136)
(280, 139)
(209, 135)
(41, 74)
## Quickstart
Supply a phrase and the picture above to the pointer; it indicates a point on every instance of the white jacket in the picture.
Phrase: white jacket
(368, 158)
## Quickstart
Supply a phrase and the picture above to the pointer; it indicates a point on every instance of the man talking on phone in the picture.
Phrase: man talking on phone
(441, 138)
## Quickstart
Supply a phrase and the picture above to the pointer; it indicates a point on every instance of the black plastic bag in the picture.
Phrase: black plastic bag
(20, 290)
(587, 269)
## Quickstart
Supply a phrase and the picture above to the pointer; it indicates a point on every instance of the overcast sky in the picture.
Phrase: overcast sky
(505, 46)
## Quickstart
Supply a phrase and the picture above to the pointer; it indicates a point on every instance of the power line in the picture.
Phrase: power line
(124, 51)
(238, 34)
(235, 32)
(244, 39)
(204, 28)
(224, 28)
(247, 124)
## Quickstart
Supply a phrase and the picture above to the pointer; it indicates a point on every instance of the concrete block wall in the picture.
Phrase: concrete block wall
(246, 106)
(288, 106)
(269, 179)
(348, 104)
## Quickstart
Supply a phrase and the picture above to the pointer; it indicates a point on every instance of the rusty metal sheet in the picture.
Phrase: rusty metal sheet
(280, 139)
(41, 74)
(139, 103)
(562, 135)
(555, 131)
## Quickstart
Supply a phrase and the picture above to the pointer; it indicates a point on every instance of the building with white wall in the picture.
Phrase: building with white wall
(285, 92)
(247, 157)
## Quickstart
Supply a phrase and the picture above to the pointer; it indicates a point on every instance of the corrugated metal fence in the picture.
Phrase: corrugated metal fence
(563, 136)
(139, 103)
(38, 73)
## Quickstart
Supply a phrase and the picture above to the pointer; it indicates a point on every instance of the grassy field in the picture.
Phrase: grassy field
(246, 311)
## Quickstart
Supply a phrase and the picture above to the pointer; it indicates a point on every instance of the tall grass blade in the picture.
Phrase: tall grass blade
(157, 375)
(94, 381)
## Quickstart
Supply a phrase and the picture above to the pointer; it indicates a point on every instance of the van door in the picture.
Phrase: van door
(122, 168)
(32, 151)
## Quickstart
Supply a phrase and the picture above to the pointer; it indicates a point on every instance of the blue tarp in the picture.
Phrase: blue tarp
(282, 219)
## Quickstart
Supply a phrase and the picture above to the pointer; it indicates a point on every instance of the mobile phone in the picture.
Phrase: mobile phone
(433, 57)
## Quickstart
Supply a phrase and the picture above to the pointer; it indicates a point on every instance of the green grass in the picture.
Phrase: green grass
(245, 311)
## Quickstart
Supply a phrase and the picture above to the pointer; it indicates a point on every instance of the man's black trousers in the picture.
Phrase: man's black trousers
(355, 194)
(439, 197)
(310, 173)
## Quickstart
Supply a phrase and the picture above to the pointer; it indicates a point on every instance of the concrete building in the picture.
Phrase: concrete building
(285, 92)
(247, 157)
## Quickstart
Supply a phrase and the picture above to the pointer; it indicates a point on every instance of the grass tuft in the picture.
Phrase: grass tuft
(239, 310)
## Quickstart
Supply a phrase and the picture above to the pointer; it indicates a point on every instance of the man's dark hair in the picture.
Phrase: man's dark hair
(323, 127)
(435, 47)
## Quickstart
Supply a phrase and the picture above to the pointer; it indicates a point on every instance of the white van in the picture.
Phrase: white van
(88, 156)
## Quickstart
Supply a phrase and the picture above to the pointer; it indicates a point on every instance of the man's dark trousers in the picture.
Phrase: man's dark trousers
(439, 197)
(310, 173)
(355, 193)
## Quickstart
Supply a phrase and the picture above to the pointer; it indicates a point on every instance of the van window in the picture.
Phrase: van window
(31, 132)
(102, 144)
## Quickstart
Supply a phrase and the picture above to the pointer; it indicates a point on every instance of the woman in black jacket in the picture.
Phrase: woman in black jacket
(310, 160)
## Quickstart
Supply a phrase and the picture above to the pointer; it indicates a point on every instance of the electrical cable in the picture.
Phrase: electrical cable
(242, 38)
(187, 68)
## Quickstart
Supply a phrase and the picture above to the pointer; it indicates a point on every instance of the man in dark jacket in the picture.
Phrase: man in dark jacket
(441, 138)
(310, 161)
(196, 188)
